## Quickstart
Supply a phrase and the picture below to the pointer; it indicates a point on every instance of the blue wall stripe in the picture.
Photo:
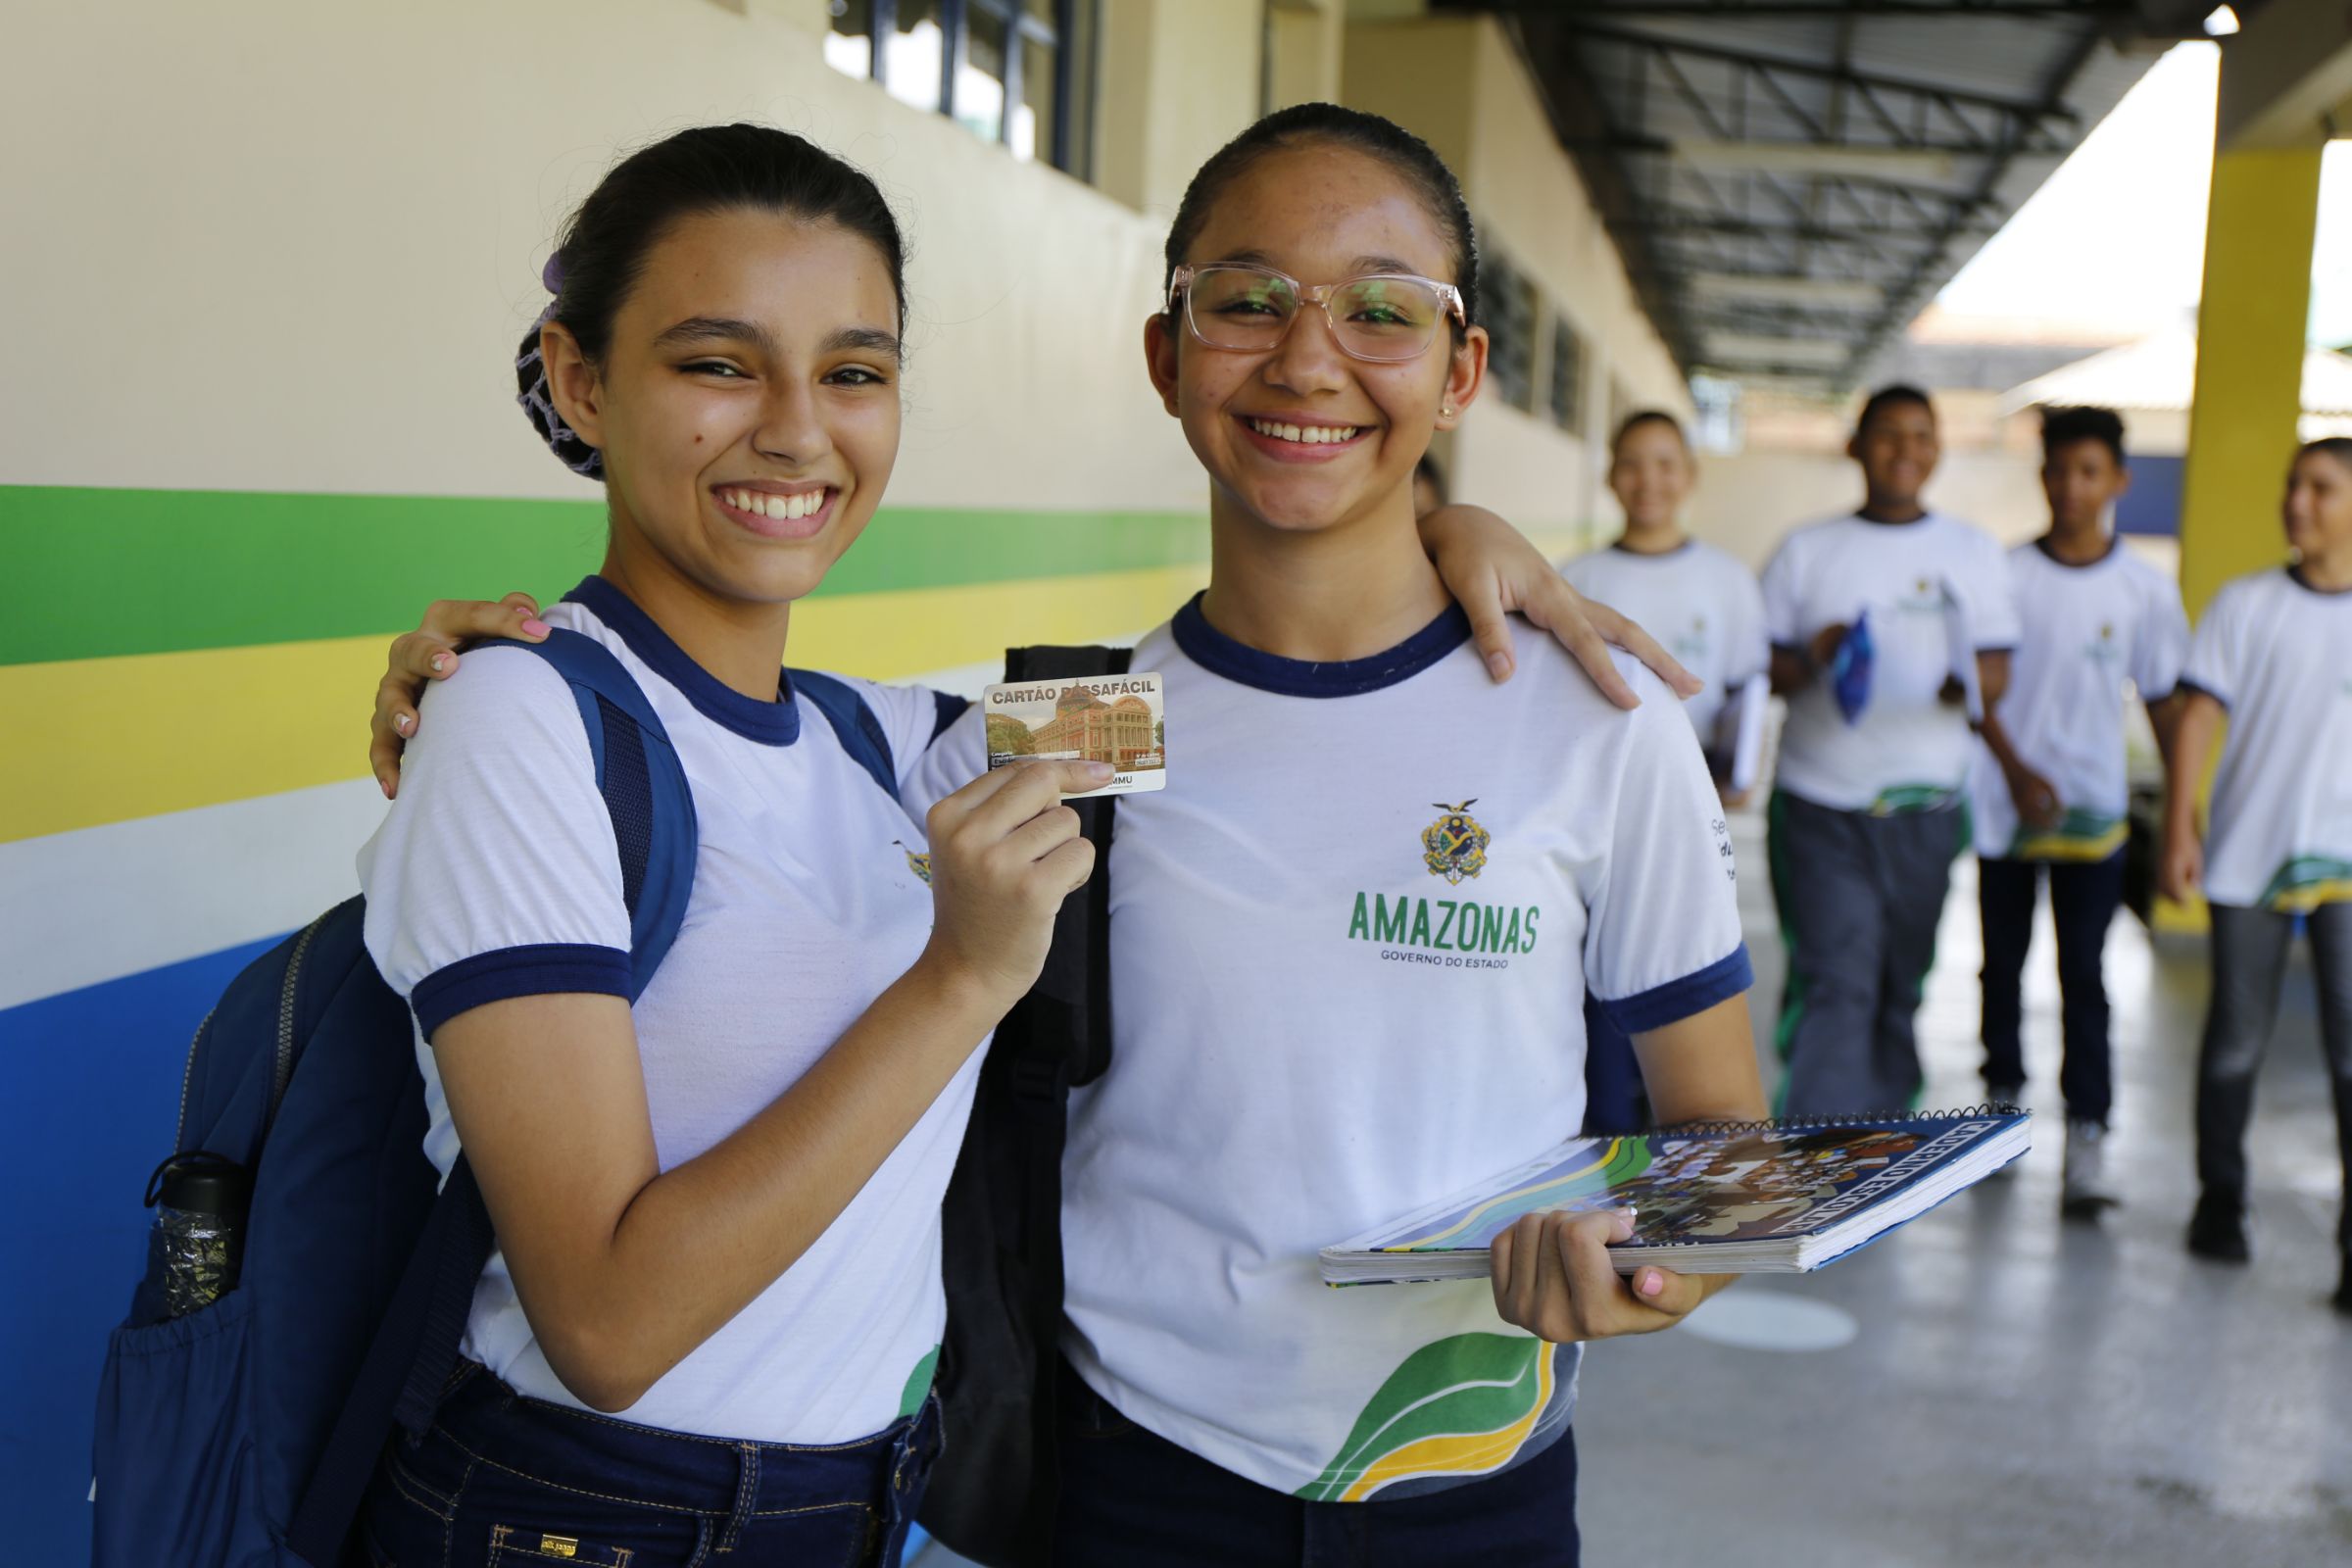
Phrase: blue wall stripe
(94, 1079)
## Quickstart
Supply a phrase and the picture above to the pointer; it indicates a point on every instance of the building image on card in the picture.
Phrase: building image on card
(1090, 722)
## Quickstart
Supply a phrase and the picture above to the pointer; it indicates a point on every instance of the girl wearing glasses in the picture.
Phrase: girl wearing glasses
(1351, 942)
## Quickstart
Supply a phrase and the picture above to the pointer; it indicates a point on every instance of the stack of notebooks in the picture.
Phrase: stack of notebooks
(1749, 1198)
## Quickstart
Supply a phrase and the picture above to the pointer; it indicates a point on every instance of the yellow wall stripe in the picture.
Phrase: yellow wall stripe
(103, 740)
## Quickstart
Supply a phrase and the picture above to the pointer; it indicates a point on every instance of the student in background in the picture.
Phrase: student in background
(1702, 602)
(2047, 787)
(2274, 653)
(1867, 811)
(1706, 607)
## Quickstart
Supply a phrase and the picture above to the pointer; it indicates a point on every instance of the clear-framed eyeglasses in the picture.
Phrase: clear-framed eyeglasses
(1379, 317)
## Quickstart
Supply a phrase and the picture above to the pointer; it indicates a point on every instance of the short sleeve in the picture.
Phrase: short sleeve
(1662, 940)
(1783, 624)
(1990, 594)
(1747, 650)
(2163, 642)
(954, 757)
(496, 874)
(2212, 652)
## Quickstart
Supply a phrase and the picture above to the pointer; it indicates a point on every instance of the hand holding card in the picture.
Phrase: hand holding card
(1119, 719)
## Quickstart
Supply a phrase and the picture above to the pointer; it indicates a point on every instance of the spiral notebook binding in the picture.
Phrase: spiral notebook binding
(1815, 1124)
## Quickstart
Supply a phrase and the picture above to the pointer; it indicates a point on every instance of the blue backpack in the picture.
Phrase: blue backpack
(246, 1433)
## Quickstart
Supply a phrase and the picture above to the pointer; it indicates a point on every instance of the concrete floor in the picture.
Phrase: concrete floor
(2017, 1390)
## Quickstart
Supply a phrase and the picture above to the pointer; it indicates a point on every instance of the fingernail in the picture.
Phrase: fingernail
(1102, 770)
(534, 627)
(384, 784)
(1499, 666)
(404, 724)
(1625, 1225)
(440, 663)
(1652, 1283)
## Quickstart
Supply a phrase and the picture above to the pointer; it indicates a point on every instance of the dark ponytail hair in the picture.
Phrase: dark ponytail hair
(708, 169)
(1306, 124)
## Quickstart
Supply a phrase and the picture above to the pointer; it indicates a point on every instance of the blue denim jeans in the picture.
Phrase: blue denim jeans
(1133, 1500)
(500, 1480)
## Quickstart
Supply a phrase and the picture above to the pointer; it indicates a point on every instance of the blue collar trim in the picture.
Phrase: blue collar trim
(1220, 655)
(1622, 548)
(2308, 586)
(767, 723)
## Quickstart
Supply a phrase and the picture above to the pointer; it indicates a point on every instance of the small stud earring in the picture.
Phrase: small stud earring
(1446, 411)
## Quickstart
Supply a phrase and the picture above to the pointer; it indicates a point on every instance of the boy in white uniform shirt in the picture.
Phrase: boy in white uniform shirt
(2047, 789)
(2274, 652)
(1868, 810)
(1705, 607)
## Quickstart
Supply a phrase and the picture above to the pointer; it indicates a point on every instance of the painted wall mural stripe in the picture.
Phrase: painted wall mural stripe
(98, 574)
(105, 740)
(97, 905)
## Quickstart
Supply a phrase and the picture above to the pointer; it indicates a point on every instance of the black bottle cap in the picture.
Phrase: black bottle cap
(201, 1183)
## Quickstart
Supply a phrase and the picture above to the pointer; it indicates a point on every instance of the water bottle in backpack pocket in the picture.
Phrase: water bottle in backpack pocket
(308, 1271)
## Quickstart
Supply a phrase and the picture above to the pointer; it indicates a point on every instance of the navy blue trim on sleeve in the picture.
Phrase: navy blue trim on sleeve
(1998, 648)
(1677, 1000)
(2186, 686)
(950, 708)
(537, 969)
(1238, 662)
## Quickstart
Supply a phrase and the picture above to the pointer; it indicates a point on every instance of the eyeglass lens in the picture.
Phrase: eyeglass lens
(1373, 318)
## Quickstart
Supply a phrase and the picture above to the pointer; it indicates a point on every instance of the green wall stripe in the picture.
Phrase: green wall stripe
(90, 573)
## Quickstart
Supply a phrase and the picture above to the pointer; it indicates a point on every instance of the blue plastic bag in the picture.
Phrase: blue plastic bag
(1850, 670)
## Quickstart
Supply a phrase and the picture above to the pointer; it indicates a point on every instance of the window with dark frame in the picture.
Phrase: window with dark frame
(1567, 378)
(1507, 302)
(1018, 73)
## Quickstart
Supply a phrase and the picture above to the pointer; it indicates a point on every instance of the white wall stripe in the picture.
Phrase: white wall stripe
(84, 907)
(96, 904)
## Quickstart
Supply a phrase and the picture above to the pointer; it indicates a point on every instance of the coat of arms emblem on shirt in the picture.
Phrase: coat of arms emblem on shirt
(1454, 846)
(919, 864)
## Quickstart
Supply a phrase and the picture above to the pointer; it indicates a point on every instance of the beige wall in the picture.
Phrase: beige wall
(1460, 86)
(303, 262)
(1180, 80)
(313, 279)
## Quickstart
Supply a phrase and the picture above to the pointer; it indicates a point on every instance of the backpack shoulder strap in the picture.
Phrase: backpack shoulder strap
(862, 734)
(414, 1352)
(645, 791)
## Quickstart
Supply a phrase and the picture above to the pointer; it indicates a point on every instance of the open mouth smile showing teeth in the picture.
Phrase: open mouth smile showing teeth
(1313, 436)
(781, 509)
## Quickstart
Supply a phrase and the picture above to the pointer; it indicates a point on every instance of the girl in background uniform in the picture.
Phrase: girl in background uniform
(1707, 608)
(2274, 653)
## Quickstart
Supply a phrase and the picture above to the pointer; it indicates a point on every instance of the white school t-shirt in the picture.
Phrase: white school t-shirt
(2278, 654)
(2086, 631)
(1702, 602)
(496, 875)
(1909, 750)
(1351, 943)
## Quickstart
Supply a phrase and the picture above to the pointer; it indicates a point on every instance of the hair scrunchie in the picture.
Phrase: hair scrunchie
(530, 381)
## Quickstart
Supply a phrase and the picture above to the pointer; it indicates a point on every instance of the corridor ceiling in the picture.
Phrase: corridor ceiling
(1789, 182)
